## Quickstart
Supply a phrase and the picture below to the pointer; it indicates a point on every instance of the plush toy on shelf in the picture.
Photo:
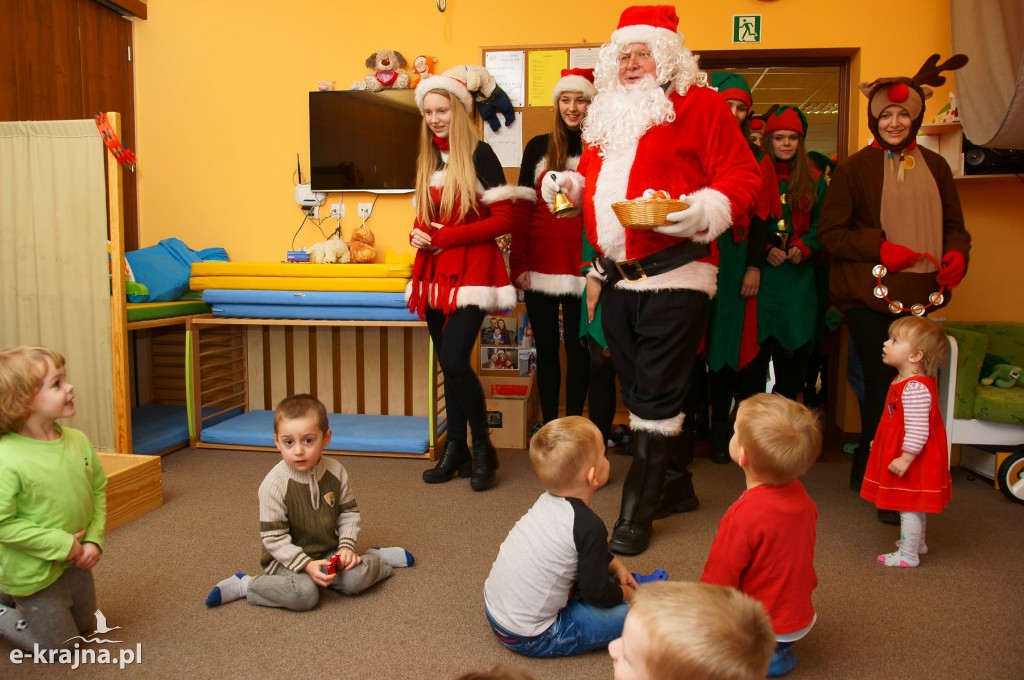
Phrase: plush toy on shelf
(387, 73)
(489, 97)
(331, 251)
(422, 66)
(325, 86)
(361, 245)
(1005, 376)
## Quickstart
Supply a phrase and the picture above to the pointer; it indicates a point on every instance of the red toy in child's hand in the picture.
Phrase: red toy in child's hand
(334, 566)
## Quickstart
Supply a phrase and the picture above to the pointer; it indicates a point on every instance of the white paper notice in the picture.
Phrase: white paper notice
(508, 69)
(583, 57)
(507, 142)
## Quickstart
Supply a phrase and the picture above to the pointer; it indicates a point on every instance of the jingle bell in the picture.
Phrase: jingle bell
(562, 205)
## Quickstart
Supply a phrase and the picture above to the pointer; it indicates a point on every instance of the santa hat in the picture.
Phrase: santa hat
(646, 24)
(787, 118)
(575, 80)
(732, 86)
(448, 84)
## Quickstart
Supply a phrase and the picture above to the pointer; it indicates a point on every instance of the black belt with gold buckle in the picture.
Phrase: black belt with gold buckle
(634, 269)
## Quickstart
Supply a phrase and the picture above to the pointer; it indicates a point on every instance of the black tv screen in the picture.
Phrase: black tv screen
(363, 141)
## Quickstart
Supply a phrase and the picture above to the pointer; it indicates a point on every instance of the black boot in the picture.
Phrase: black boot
(678, 495)
(640, 493)
(485, 463)
(721, 434)
(454, 458)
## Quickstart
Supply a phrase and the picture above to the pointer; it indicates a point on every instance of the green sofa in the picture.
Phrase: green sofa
(974, 413)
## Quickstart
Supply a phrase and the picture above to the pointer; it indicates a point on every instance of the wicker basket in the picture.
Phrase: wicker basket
(646, 213)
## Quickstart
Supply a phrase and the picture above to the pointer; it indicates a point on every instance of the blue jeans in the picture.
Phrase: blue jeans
(579, 628)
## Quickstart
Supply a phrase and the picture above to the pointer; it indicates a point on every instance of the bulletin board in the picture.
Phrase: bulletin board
(542, 66)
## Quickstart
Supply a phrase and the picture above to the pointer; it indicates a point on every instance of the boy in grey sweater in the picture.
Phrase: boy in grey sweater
(309, 522)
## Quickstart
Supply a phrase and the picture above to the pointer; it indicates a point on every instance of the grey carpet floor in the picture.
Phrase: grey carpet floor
(959, 615)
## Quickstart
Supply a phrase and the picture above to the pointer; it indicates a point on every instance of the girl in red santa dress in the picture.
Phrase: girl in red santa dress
(462, 205)
(547, 251)
(908, 469)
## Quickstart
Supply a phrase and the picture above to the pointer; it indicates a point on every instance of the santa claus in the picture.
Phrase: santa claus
(655, 124)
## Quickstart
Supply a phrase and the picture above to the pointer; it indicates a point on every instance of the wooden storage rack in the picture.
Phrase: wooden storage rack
(367, 367)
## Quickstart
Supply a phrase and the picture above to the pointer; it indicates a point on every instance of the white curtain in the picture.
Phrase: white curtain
(991, 86)
(53, 257)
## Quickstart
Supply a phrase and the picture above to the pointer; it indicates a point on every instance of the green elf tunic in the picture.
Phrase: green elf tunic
(732, 318)
(787, 300)
(590, 329)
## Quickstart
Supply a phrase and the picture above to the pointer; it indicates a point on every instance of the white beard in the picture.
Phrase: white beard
(619, 116)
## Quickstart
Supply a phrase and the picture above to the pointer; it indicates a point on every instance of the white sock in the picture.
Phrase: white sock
(395, 556)
(230, 589)
(908, 554)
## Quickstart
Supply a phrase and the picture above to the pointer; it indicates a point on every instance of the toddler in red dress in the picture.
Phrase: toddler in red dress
(908, 469)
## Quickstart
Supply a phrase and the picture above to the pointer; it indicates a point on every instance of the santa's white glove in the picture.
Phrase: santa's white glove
(555, 183)
(687, 222)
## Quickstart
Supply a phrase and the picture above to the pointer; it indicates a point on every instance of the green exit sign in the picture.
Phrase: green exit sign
(746, 28)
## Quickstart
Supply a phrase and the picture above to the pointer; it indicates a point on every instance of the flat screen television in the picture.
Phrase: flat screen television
(363, 141)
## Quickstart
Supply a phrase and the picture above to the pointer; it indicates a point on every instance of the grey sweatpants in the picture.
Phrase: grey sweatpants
(295, 591)
(54, 616)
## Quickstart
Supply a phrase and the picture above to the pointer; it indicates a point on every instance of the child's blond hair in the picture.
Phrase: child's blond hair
(782, 438)
(301, 406)
(22, 370)
(925, 336)
(703, 631)
(562, 449)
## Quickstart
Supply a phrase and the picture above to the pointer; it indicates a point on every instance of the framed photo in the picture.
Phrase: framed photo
(499, 359)
(494, 419)
(525, 331)
(527, 361)
(499, 331)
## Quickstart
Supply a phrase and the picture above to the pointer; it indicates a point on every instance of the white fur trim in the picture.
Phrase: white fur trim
(490, 299)
(669, 427)
(611, 187)
(437, 179)
(702, 276)
(448, 84)
(718, 211)
(509, 192)
(557, 284)
(573, 83)
(643, 33)
(571, 163)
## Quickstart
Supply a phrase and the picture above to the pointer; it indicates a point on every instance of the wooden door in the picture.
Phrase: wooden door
(65, 60)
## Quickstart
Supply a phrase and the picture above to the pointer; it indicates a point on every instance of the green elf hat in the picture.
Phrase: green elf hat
(732, 86)
(824, 163)
(787, 118)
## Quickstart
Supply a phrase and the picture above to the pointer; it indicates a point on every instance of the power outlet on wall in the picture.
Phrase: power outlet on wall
(364, 209)
(337, 210)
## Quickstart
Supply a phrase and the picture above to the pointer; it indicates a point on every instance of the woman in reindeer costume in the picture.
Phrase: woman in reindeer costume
(547, 251)
(891, 203)
(462, 205)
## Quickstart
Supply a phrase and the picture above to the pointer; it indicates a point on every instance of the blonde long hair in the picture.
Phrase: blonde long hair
(458, 194)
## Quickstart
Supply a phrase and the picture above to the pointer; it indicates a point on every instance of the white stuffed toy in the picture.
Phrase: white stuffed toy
(331, 251)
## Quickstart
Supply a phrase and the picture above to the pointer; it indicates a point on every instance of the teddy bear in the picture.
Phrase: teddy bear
(489, 97)
(331, 251)
(422, 66)
(1005, 376)
(361, 245)
(386, 65)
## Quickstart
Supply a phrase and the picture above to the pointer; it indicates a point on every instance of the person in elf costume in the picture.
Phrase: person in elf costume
(732, 323)
(786, 302)
(546, 251)
(462, 205)
(891, 203)
(655, 124)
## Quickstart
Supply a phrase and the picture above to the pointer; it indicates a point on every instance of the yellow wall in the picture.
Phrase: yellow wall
(221, 93)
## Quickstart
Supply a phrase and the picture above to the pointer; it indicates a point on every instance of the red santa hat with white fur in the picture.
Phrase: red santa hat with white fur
(575, 80)
(646, 24)
(448, 84)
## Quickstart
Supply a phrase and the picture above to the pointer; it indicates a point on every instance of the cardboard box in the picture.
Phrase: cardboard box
(509, 418)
